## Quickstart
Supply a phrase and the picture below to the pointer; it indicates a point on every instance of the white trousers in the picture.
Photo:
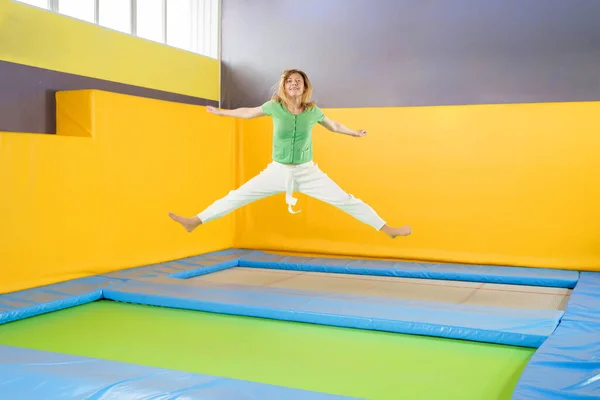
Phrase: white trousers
(304, 178)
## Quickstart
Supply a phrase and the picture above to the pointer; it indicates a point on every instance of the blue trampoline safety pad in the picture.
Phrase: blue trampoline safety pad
(32, 302)
(32, 375)
(527, 328)
(567, 365)
(184, 268)
(458, 272)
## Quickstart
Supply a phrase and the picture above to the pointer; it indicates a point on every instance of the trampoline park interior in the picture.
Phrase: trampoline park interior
(495, 295)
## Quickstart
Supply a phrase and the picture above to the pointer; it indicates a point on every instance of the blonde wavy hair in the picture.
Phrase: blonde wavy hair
(280, 95)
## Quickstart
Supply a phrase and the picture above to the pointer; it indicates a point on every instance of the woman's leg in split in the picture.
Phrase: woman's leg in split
(269, 182)
(315, 183)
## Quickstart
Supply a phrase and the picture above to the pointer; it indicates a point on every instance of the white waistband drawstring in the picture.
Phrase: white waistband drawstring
(289, 190)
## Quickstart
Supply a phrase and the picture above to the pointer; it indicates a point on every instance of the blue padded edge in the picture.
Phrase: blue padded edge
(527, 328)
(459, 272)
(32, 302)
(32, 374)
(184, 268)
(567, 365)
(58, 296)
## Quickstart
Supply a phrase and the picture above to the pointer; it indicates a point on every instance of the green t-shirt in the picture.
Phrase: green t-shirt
(292, 134)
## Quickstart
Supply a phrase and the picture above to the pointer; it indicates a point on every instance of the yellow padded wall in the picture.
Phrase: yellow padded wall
(499, 184)
(41, 38)
(95, 197)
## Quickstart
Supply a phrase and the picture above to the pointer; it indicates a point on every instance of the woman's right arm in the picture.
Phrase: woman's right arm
(244, 112)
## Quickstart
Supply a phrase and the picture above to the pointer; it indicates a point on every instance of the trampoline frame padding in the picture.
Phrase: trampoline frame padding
(527, 328)
(34, 374)
(454, 272)
(162, 285)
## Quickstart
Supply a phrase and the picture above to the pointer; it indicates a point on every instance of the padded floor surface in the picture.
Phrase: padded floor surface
(455, 292)
(35, 374)
(350, 362)
(563, 366)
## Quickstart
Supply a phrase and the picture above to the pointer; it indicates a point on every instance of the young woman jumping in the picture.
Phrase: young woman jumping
(292, 168)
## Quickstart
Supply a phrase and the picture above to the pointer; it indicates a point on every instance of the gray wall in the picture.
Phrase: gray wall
(28, 102)
(362, 53)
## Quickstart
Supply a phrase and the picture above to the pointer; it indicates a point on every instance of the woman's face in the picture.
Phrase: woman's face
(294, 85)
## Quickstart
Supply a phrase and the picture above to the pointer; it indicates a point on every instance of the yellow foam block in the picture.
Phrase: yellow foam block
(95, 197)
(497, 184)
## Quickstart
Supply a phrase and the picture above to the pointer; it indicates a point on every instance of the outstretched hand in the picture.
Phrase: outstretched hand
(359, 133)
(213, 110)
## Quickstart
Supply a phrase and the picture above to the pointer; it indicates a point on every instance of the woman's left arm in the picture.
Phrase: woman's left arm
(337, 127)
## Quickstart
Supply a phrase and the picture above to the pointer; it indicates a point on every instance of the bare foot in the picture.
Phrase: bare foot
(188, 223)
(394, 232)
